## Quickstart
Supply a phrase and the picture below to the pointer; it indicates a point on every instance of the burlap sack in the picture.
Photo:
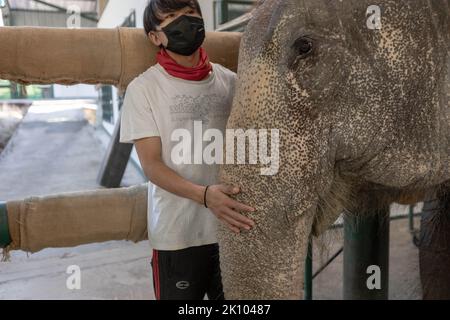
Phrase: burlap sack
(76, 218)
(31, 55)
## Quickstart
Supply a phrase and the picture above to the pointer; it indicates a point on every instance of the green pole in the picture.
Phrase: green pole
(308, 272)
(223, 11)
(411, 218)
(366, 256)
(5, 238)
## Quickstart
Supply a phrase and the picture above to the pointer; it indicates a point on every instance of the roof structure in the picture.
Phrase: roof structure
(85, 6)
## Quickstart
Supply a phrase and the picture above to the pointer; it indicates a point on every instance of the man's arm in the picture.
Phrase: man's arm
(149, 152)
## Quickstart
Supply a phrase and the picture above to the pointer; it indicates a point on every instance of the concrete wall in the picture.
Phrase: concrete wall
(116, 11)
(4, 14)
(208, 13)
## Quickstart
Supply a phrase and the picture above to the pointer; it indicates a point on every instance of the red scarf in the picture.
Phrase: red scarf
(197, 73)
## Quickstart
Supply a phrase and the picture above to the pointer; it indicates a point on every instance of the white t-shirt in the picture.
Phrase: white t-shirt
(157, 104)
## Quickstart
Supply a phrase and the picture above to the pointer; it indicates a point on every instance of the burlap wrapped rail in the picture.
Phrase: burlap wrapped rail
(75, 218)
(31, 55)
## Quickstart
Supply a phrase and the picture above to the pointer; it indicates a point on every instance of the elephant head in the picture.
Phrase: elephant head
(356, 100)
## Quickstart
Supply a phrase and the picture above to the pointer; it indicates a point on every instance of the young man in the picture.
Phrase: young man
(181, 92)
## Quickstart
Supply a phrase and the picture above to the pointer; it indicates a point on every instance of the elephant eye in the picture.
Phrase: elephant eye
(304, 46)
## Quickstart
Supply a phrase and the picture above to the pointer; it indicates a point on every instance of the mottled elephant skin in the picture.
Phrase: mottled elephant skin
(363, 113)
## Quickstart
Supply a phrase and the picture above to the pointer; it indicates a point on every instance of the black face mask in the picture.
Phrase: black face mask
(185, 34)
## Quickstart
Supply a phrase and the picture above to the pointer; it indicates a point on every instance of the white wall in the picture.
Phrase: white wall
(76, 91)
(117, 11)
(208, 14)
(1, 18)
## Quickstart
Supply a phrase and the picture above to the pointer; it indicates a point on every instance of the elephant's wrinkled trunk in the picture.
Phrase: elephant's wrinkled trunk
(268, 261)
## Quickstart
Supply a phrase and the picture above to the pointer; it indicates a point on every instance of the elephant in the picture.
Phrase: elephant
(363, 117)
(359, 105)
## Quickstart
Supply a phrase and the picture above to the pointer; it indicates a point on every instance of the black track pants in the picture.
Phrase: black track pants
(187, 274)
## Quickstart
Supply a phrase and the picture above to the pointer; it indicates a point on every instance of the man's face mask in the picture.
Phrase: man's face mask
(185, 34)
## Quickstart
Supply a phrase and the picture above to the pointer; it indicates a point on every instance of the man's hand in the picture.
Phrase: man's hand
(225, 208)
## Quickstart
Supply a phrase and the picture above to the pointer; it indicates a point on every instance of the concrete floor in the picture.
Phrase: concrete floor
(57, 150)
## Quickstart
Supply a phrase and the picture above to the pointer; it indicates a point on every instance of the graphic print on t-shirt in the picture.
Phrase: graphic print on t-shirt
(205, 108)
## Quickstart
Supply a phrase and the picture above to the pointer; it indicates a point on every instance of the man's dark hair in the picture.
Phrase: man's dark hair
(155, 8)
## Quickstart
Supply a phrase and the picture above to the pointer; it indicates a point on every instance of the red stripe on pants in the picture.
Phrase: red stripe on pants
(156, 274)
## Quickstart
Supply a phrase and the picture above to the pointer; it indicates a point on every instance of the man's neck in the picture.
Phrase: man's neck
(186, 61)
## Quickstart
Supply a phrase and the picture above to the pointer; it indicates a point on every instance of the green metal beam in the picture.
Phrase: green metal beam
(308, 289)
(366, 255)
(5, 238)
(223, 11)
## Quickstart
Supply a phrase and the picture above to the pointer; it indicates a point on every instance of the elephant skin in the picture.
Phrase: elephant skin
(362, 114)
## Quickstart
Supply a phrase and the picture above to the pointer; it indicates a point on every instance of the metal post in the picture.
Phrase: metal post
(5, 238)
(115, 160)
(434, 248)
(366, 256)
(308, 273)
(412, 230)
(223, 12)
(411, 218)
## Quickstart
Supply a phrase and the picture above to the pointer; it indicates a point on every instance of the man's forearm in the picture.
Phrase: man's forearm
(166, 178)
